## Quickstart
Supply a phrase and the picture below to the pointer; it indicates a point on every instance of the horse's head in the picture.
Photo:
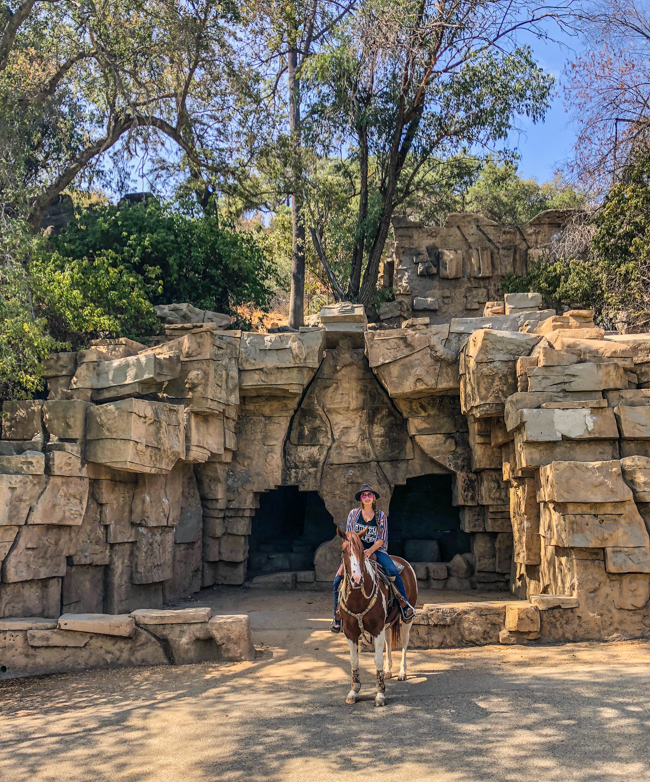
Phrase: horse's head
(353, 555)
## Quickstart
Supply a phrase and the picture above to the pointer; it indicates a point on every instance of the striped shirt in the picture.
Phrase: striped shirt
(356, 523)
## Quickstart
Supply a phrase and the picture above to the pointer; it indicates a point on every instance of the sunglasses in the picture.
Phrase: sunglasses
(367, 494)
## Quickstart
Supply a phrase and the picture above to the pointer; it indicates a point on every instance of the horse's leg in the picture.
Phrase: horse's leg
(354, 666)
(380, 640)
(388, 667)
(406, 631)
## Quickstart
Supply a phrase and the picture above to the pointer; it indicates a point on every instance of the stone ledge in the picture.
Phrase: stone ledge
(22, 623)
(101, 624)
(546, 602)
(153, 616)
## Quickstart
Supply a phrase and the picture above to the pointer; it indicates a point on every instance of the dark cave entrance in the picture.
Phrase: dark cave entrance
(421, 515)
(287, 529)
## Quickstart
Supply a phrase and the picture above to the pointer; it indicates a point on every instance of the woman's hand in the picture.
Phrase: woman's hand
(375, 547)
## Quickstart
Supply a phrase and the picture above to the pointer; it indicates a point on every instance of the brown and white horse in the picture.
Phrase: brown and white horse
(363, 603)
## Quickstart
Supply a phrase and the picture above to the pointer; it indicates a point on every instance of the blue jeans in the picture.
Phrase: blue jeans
(391, 571)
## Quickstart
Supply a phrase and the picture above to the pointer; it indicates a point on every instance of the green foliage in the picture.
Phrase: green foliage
(103, 274)
(502, 195)
(24, 341)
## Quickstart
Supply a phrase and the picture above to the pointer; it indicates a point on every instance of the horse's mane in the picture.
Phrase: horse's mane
(355, 544)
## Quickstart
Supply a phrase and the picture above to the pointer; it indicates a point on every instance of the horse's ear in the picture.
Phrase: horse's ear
(339, 532)
(362, 532)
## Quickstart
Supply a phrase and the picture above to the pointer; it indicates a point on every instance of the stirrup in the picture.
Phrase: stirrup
(335, 626)
(408, 612)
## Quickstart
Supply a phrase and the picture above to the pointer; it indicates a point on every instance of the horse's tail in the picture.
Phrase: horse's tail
(396, 634)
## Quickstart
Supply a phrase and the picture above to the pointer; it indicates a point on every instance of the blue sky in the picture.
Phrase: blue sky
(545, 147)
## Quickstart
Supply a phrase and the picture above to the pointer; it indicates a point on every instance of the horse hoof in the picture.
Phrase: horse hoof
(380, 699)
(388, 675)
(352, 698)
(401, 677)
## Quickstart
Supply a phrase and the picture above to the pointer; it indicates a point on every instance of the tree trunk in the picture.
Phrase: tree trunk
(297, 299)
(359, 244)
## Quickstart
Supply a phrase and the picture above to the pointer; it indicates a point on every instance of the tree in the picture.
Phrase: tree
(406, 87)
(102, 274)
(607, 88)
(502, 195)
(78, 80)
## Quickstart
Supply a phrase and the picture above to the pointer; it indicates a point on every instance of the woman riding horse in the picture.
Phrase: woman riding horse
(375, 541)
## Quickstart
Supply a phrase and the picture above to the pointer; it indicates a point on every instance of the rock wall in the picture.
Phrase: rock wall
(451, 271)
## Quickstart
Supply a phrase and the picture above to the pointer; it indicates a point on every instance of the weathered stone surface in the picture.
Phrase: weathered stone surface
(553, 425)
(274, 581)
(524, 513)
(579, 377)
(145, 367)
(121, 594)
(100, 651)
(65, 419)
(186, 579)
(17, 495)
(522, 301)
(115, 499)
(484, 549)
(327, 559)
(627, 560)
(233, 548)
(636, 473)
(61, 462)
(23, 623)
(62, 503)
(232, 633)
(187, 313)
(22, 420)
(492, 490)
(593, 525)
(570, 481)
(135, 435)
(548, 602)
(37, 638)
(152, 616)
(39, 552)
(472, 519)
(522, 618)
(503, 547)
(60, 365)
(90, 543)
(632, 592)
(104, 624)
(31, 598)
(83, 589)
(26, 463)
(634, 422)
(152, 555)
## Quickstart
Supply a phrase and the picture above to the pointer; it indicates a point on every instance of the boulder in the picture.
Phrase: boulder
(327, 559)
(232, 633)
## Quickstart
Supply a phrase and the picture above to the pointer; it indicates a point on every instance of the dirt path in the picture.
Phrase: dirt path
(550, 714)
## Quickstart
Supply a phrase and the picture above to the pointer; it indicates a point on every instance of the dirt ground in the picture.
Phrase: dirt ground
(550, 714)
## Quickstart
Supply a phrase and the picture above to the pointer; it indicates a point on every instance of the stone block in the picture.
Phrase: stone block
(18, 493)
(204, 436)
(115, 500)
(231, 573)
(274, 581)
(531, 456)
(103, 624)
(232, 634)
(187, 572)
(421, 570)
(429, 304)
(39, 552)
(26, 463)
(497, 518)
(60, 365)
(459, 567)
(593, 525)
(636, 474)
(135, 435)
(632, 592)
(152, 616)
(464, 489)
(451, 264)
(472, 519)
(483, 546)
(62, 503)
(62, 463)
(633, 422)
(548, 602)
(522, 301)
(40, 638)
(153, 553)
(552, 425)
(83, 589)
(489, 345)
(7, 537)
(593, 482)
(142, 368)
(154, 498)
(22, 420)
(343, 312)
(524, 400)
(483, 455)
(503, 550)
(20, 624)
(438, 571)
(524, 514)
(579, 377)
(492, 489)
(65, 419)
(522, 618)
(233, 548)
(627, 560)
(40, 597)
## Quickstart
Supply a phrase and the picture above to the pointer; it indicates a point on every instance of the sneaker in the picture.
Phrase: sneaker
(335, 625)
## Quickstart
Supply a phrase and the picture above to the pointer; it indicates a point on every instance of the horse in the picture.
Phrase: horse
(364, 606)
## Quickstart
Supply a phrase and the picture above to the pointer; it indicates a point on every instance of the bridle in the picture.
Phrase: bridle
(348, 586)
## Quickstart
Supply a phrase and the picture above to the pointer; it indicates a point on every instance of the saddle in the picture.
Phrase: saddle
(393, 605)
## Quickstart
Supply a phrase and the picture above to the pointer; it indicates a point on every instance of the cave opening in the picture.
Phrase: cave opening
(287, 528)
